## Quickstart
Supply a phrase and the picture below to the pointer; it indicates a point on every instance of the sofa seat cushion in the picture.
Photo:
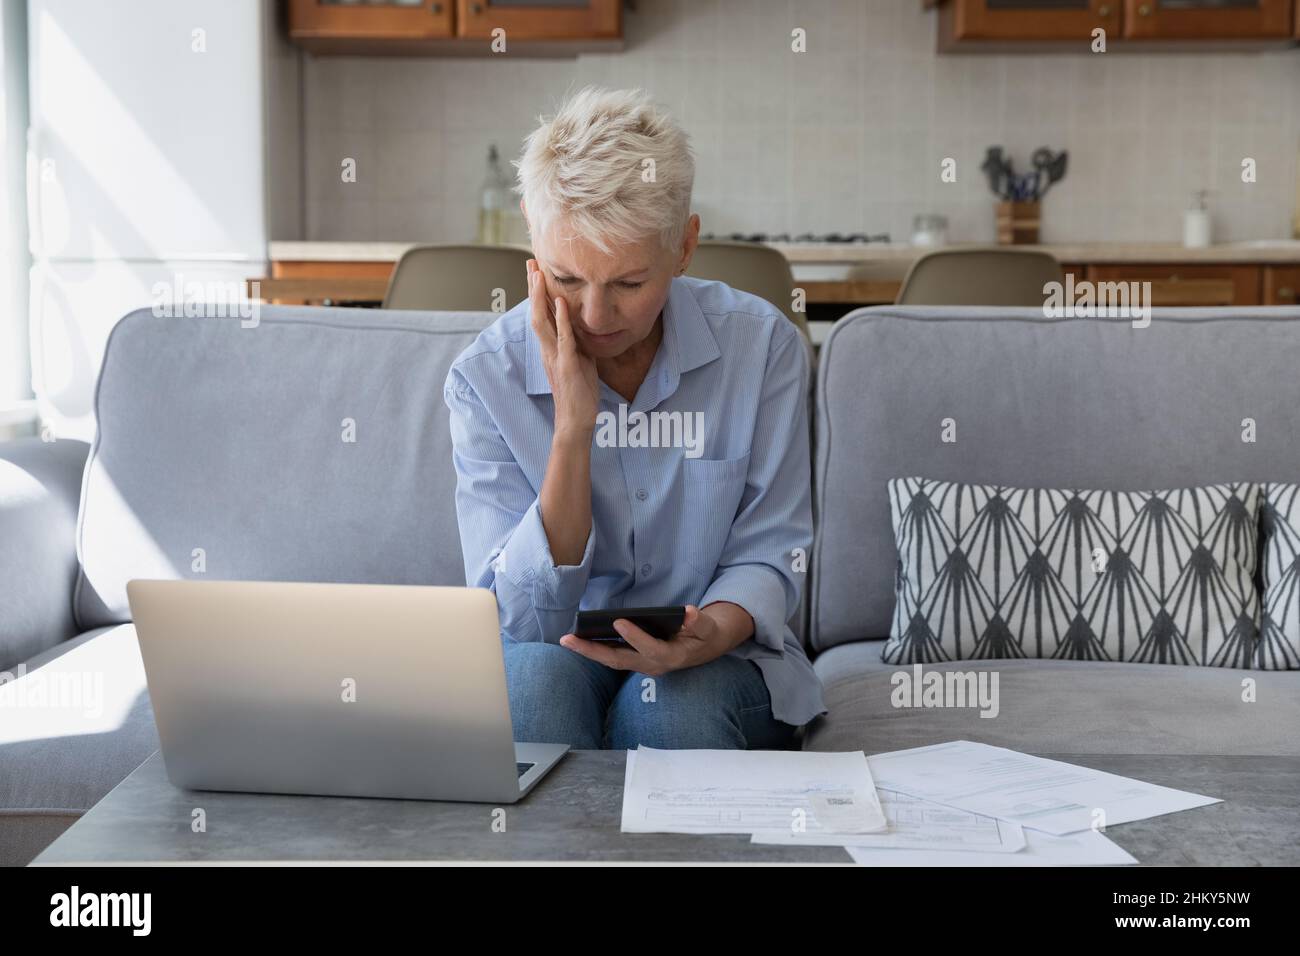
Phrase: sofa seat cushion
(1062, 707)
(74, 722)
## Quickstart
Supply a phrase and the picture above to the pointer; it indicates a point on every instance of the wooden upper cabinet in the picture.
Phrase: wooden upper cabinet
(982, 20)
(1008, 24)
(456, 27)
(1207, 19)
(540, 19)
(395, 20)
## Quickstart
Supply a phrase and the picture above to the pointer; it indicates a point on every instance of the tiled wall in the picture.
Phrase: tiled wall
(848, 136)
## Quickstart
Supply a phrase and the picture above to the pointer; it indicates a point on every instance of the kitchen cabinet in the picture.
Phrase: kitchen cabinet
(456, 27)
(1281, 285)
(1002, 25)
(538, 19)
(1025, 20)
(310, 282)
(1225, 275)
(1207, 19)
(1178, 284)
(397, 20)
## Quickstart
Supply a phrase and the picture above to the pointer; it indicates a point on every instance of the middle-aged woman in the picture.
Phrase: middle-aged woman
(559, 515)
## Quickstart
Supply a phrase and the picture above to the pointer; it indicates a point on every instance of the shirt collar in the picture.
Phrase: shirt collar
(687, 344)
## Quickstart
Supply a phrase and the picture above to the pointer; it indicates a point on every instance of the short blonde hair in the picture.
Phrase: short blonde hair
(613, 164)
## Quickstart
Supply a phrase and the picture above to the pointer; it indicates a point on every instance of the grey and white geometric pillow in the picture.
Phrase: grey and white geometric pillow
(1279, 634)
(1162, 577)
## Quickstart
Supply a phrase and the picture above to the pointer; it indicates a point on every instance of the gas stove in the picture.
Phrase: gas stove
(858, 237)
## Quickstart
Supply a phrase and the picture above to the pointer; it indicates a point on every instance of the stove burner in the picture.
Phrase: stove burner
(804, 237)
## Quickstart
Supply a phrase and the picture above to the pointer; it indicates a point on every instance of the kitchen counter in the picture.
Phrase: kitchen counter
(838, 276)
(1263, 251)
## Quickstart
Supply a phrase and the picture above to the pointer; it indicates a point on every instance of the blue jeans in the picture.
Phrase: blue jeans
(559, 696)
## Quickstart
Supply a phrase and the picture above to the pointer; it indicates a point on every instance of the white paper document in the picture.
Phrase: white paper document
(1088, 848)
(1037, 793)
(748, 791)
(916, 824)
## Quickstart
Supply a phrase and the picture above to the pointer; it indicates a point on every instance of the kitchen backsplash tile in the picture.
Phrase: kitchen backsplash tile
(847, 137)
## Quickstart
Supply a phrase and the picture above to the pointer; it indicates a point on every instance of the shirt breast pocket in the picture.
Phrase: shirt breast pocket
(712, 489)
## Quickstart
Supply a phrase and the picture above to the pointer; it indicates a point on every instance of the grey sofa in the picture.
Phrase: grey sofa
(1071, 403)
(220, 452)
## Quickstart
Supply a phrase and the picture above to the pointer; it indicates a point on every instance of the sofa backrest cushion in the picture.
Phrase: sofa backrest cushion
(223, 452)
(1035, 403)
(40, 483)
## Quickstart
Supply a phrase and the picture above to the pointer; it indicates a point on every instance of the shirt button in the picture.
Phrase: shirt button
(642, 494)
(646, 569)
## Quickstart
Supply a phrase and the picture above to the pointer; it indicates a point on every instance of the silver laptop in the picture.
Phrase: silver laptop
(365, 690)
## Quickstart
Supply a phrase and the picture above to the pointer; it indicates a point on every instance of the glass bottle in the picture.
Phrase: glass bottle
(495, 198)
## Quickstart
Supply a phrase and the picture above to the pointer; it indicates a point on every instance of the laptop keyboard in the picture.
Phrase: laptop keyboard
(523, 768)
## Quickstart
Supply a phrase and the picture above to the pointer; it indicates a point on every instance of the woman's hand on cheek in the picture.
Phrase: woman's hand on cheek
(575, 385)
(699, 641)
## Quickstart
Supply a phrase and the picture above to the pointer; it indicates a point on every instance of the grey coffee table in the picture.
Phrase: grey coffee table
(574, 813)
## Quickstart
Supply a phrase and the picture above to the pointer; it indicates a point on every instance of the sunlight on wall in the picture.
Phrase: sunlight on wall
(82, 120)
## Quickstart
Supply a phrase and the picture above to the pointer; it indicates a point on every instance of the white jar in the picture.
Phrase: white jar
(1196, 223)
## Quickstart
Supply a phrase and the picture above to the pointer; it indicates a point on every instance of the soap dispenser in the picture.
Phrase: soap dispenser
(1196, 222)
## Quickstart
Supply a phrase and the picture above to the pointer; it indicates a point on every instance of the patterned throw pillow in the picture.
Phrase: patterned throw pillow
(1279, 637)
(1161, 577)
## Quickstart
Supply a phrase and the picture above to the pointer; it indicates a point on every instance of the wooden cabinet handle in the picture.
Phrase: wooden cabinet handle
(1144, 10)
(1286, 292)
(1103, 11)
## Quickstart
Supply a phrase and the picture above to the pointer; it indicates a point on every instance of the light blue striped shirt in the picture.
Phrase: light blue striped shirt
(728, 517)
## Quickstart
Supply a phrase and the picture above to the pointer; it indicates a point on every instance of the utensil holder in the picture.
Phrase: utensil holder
(1018, 223)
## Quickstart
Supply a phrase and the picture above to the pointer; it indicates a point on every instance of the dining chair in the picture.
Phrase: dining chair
(980, 276)
(750, 267)
(459, 278)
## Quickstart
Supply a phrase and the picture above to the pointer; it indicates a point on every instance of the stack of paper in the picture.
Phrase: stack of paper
(1047, 795)
(952, 804)
(748, 791)
(916, 824)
